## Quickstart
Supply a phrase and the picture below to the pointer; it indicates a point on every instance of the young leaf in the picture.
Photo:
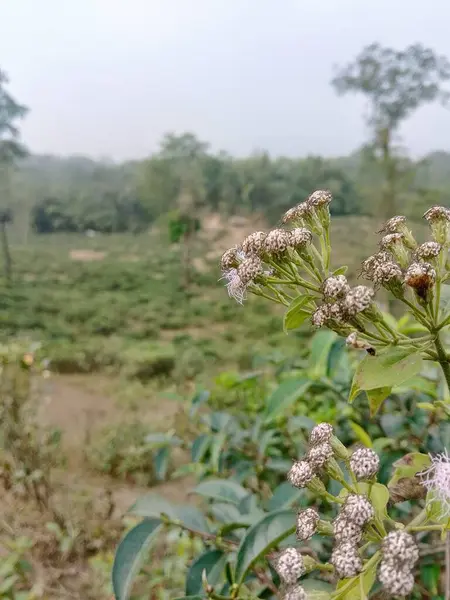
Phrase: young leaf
(213, 563)
(284, 496)
(221, 490)
(386, 369)
(161, 462)
(297, 313)
(321, 345)
(376, 398)
(200, 446)
(129, 555)
(152, 506)
(341, 271)
(350, 589)
(286, 394)
(261, 538)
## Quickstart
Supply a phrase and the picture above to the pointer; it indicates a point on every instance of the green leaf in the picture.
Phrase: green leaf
(161, 462)
(152, 505)
(190, 598)
(261, 538)
(386, 369)
(379, 496)
(376, 398)
(321, 345)
(430, 575)
(444, 304)
(284, 396)
(221, 490)
(297, 313)
(197, 401)
(361, 434)
(130, 553)
(284, 496)
(350, 589)
(436, 512)
(225, 512)
(408, 466)
(213, 563)
(200, 446)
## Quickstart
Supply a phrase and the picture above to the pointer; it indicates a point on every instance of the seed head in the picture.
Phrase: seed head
(358, 509)
(395, 581)
(229, 259)
(335, 287)
(289, 565)
(277, 241)
(421, 277)
(320, 433)
(346, 530)
(357, 300)
(300, 474)
(319, 455)
(235, 286)
(249, 269)
(254, 243)
(295, 592)
(307, 523)
(320, 198)
(428, 250)
(300, 237)
(400, 549)
(393, 225)
(384, 273)
(436, 479)
(346, 560)
(364, 463)
(390, 240)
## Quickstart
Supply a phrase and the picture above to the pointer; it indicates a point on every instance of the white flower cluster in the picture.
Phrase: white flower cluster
(400, 553)
(364, 463)
(290, 565)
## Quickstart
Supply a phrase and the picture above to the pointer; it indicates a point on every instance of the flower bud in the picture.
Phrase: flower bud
(229, 259)
(395, 581)
(438, 218)
(277, 242)
(300, 474)
(398, 225)
(395, 244)
(358, 509)
(307, 521)
(400, 548)
(320, 433)
(295, 592)
(254, 243)
(421, 277)
(319, 455)
(345, 530)
(335, 287)
(289, 565)
(428, 251)
(364, 463)
(346, 560)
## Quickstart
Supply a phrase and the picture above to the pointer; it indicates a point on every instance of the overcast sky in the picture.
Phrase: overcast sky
(109, 77)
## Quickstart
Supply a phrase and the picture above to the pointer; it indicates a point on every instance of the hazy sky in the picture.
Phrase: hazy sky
(109, 77)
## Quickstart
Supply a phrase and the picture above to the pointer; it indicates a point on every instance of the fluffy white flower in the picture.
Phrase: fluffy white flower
(436, 479)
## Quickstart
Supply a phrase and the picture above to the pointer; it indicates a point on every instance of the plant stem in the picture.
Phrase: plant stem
(445, 365)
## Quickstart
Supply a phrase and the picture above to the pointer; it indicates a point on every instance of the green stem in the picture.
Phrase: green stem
(443, 360)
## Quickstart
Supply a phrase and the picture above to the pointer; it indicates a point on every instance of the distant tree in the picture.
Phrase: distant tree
(396, 83)
(10, 149)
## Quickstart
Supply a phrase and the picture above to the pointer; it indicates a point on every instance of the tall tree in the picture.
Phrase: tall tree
(396, 83)
(10, 149)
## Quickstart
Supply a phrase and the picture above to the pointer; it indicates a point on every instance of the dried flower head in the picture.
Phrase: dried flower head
(391, 240)
(319, 455)
(289, 565)
(358, 300)
(346, 531)
(307, 523)
(428, 250)
(438, 218)
(399, 548)
(249, 269)
(353, 341)
(290, 215)
(436, 480)
(437, 213)
(300, 237)
(295, 592)
(229, 259)
(384, 273)
(346, 560)
(320, 316)
(335, 287)
(277, 241)
(300, 474)
(320, 198)
(364, 463)
(393, 225)
(370, 264)
(358, 509)
(421, 277)
(395, 581)
(254, 243)
(320, 433)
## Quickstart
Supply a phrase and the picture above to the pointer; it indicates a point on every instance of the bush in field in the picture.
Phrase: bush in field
(368, 517)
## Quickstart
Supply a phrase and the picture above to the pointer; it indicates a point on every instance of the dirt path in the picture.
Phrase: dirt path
(74, 406)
